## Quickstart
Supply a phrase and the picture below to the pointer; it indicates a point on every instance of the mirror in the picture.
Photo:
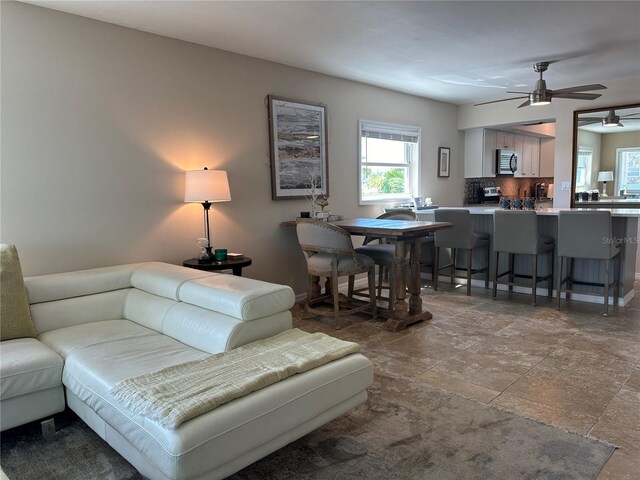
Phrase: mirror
(606, 154)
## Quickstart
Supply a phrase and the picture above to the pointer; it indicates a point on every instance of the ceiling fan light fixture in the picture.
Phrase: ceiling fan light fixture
(539, 98)
(611, 120)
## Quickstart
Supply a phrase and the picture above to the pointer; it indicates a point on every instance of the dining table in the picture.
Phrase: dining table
(406, 235)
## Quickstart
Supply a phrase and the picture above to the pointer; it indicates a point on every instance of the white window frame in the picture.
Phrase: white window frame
(588, 168)
(414, 167)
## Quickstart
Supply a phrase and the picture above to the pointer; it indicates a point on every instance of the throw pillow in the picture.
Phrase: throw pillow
(15, 316)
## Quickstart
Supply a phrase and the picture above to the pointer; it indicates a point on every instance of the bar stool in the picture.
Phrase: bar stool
(589, 235)
(460, 236)
(383, 254)
(516, 233)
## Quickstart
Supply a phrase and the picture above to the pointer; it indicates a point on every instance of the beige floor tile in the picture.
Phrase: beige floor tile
(571, 420)
(510, 354)
(595, 365)
(465, 389)
(627, 439)
(549, 388)
(620, 466)
(633, 382)
(602, 343)
(465, 368)
(624, 410)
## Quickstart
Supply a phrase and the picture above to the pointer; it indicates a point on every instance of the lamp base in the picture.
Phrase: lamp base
(208, 257)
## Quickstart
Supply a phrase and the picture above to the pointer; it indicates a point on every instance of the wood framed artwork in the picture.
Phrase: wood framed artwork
(298, 148)
(444, 154)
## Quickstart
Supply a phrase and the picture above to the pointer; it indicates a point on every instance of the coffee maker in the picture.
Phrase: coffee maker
(540, 190)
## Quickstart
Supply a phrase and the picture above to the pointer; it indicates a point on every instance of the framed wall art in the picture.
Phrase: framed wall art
(444, 154)
(298, 148)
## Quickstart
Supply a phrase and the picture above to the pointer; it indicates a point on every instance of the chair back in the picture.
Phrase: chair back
(515, 231)
(316, 236)
(585, 234)
(393, 215)
(458, 236)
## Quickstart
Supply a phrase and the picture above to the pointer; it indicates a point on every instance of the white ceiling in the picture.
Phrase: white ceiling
(458, 52)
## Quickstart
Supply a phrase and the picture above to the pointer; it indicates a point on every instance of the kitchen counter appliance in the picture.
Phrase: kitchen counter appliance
(506, 162)
(489, 194)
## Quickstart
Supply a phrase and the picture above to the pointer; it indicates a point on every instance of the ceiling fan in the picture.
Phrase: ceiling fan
(542, 95)
(609, 120)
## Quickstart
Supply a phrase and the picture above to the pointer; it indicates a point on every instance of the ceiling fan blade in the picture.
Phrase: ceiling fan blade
(496, 101)
(525, 104)
(588, 121)
(577, 96)
(580, 88)
(523, 93)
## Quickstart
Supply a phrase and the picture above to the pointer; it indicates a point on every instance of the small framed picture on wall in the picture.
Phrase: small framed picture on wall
(444, 154)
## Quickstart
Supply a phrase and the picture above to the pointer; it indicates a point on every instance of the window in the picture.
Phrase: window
(583, 169)
(389, 162)
(628, 170)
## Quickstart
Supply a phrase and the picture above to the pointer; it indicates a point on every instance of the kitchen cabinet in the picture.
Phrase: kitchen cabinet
(528, 156)
(506, 141)
(547, 156)
(479, 153)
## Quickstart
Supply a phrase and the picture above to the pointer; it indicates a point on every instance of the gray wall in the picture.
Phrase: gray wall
(99, 122)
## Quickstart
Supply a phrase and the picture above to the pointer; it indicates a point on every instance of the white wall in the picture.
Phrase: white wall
(619, 92)
(100, 122)
(593, 141)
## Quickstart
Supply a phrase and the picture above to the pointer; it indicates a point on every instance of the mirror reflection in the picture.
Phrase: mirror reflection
(606, 161)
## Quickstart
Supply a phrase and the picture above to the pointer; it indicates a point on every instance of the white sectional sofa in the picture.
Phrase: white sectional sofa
(110, 324)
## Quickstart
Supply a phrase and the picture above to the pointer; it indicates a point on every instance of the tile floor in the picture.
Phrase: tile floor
(571, 368)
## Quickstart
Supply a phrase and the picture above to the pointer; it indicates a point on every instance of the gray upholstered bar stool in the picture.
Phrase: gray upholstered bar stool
(383, 253)
(461, 236)
(516, 232)
(588, 234)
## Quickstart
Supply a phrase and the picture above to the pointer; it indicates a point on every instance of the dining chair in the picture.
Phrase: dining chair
(588, 234)
(382, 251)
(329, 253)
(460, 236)
(515, 232)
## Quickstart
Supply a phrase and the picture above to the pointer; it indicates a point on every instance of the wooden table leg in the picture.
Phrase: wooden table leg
(401, 318)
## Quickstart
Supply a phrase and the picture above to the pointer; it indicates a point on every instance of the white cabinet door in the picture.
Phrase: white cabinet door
(489, 154)
(505, 141)
(479, 153)
(529, 159)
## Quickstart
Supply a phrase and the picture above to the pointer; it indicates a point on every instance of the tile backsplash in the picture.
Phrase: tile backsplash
(510, 186)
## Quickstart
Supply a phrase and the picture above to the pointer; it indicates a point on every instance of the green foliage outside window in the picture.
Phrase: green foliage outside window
(390, 181)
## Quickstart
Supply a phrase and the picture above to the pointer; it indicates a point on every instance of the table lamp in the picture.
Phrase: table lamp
(206, 187)
(604, 177)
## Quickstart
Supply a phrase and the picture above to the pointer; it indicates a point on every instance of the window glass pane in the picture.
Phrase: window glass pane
(628, 171)
(583, 168)
(385, 182)
(383, 151)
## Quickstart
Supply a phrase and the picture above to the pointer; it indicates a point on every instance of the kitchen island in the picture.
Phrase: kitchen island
(625, 230)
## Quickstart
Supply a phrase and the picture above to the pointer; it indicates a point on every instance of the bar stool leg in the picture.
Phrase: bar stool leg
(550, 275)
(569, 278)
(616, 287)
(469, 260)
(453, 264)
(511, 255)
(496, 262)
(372, 292)
(436, 267)
(534, 278)
(559, 283)
(487, 262)
(607, 263)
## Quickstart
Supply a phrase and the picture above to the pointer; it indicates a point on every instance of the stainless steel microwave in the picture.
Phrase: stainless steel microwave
(506, 162)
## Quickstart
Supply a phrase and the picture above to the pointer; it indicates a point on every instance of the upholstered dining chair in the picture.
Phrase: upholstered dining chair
(383, 252)
(329, 253)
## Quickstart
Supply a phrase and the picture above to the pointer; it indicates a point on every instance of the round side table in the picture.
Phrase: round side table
(236, 265)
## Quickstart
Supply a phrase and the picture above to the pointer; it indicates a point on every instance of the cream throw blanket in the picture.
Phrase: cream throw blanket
(179, 393)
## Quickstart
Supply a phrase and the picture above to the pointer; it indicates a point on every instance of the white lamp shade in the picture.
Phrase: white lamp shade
(605, 176)
(206, 186)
